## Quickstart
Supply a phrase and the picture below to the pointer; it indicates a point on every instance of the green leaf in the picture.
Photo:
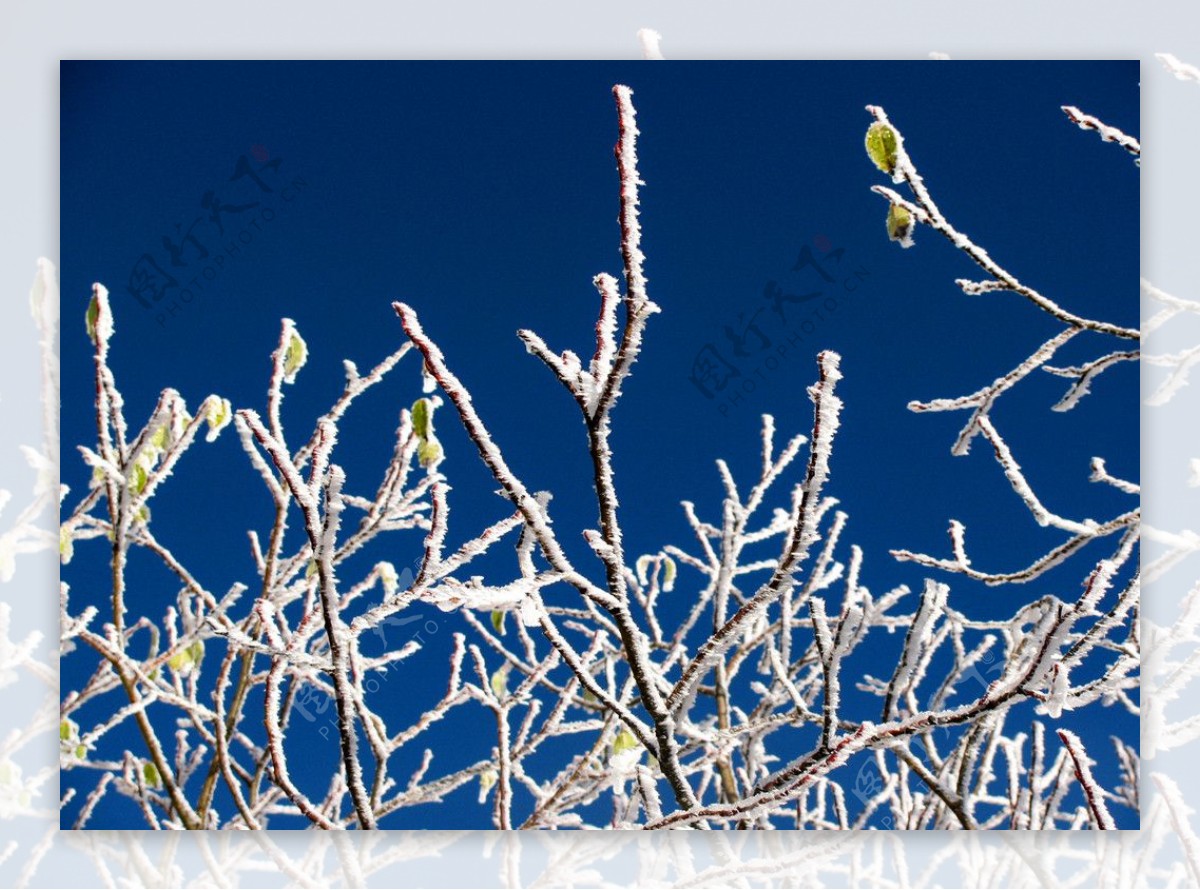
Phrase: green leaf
(668, 574)
(429, 452)
(388, 578)
(69, 741)
(158, 441)
(150, 774)
(487, 779)
(294, 357)
(66, 544)
(98, 318)
(422, 419)
(141, 516)
(218, 415)
(500, 681)
(624, 741)
(137, 481)
(498, 622)
(900, 225)
(93, 317)
(643, 568)
(881, 146)
(312, 568)
(187, 660)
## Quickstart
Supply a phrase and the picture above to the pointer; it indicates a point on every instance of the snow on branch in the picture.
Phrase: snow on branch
(904, 171)
(650, 40)
(647, 684)
(1107, 133)
(801, 536)
(1181, 70)
(1083, 774)
(886, 148)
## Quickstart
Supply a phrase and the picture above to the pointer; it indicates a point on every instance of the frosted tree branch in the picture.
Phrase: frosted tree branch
(722, 683)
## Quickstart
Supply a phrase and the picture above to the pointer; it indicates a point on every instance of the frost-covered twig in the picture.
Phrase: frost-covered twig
(1181, 70)
(886, 147)
(1083, 773)
(650, 40)
(904, 170)
(1107, 133)
(801, 536)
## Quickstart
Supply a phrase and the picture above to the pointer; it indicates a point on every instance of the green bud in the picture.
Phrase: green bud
(388, 578)
(624, 741)
(218, 415)
(138, 479)
(93, 315)
(882, 146)
(500, 681)
(187, 660)
(70, 743)
(294, 357)
(158, 440)
(429, 452)
(66, 545)
(668, 574)
(150, 774)
(900, 225)
(422, 417)
(487, 779)
(99, 322)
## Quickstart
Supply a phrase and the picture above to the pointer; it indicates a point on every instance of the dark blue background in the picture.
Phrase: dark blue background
(485, 195)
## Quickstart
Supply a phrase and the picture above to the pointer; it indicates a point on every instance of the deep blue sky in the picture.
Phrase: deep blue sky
(485, 195)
